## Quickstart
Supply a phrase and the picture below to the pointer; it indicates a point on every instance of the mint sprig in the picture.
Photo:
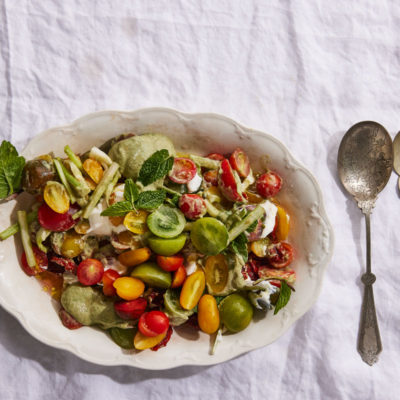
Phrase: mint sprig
(155, 167)
(131, 191)
(284, 296)
(150, 199)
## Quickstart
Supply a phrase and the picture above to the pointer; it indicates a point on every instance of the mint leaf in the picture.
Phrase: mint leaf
(284, 297)
(118, 209)
(11, 166)
(131, 192)
(252, 227)
(239, 246)
(155, 167)
(150, 199)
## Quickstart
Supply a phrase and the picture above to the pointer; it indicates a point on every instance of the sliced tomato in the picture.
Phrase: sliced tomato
(216, 271)
(90, 271)
(153, 323)
(193, 206)
(183, 170)
(269, 184)
(131, 309)
(68, 320)
(240, 162)
(280, 254)
(211, 177)
(171, 263)
(228, 184)
(56, 222)
(108, 279)
(163, 342)
(179, 277)
(216, 156)
(288, 274)
(41, 262)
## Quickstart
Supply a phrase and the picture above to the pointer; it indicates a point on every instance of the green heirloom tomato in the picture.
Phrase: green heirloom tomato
(209, 236)
(167, 247)
(151, 274)
(166, 222)
(236, 312)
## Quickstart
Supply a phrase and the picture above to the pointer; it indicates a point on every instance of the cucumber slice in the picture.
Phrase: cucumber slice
(175, 312)
(209, 236)
(167, 247)
(153, 275)
(166, 222)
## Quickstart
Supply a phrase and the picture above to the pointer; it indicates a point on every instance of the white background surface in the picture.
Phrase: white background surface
(303, 71)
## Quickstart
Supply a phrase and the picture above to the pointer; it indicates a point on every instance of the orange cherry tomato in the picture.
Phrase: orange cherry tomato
(179, 277)
(192, 290)
(171, 263)
(131, 258)
(283, 224)
(208, 314)
(94, 169)
(109, 278)
(129, 288)
(142, 342)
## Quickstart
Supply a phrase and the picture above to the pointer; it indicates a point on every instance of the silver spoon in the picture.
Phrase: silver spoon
(365, 162)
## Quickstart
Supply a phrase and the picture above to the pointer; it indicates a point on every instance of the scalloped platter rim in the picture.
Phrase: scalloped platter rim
(311, 235)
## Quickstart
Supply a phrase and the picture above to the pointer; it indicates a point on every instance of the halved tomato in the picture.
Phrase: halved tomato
(240, 162)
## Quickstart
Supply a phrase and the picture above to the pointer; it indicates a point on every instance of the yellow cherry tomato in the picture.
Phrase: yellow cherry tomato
(142, 342)
(94, 169)
(129, 288)
(208, 314)
(192, 289)
(131, 258)
(72, 245)
(82, 227)
(135, 221)
(282, 228)
(56, 197)
(216, 271)
(259, 247)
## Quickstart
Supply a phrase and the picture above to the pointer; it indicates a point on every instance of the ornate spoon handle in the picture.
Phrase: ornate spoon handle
(369, 339)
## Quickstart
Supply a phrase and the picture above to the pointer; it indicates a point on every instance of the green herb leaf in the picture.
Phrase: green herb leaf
(284, 297)
(239, 246)
(118, 209)
(150, 199)
(11, 166)
(155, 167)
(252, 227)
(131, 191)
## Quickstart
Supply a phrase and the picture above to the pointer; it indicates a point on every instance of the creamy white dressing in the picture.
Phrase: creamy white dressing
(101, 226)
(194, 184)
(191, 267)
(269, 220)
(248, 181)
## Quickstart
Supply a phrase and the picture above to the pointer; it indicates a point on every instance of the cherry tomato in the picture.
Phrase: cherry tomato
(288, 274)
(56, 197)
(227, 182)
(108, 280)
(56, 222)
(208, 314)
(183, 170)
(163, 342)
(41, 262)
(216, 156)
(192, 290)
(280, 255)
(135, 221)
(179, 277)
(94, 169)
(211, 177)
(216, 271)
(68, 320)
(134, 257)
(90, 272)
(269, 184)
(153, 323)
(60, 264)
(142, 342)
(240, 162)
(129, 288)
(171, 263)
(282, 224)
(132, 309)
(193, 206)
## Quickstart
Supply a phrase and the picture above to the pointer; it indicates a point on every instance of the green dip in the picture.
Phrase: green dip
(131, 153)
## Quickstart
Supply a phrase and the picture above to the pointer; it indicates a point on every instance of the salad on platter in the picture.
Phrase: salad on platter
(136, 239)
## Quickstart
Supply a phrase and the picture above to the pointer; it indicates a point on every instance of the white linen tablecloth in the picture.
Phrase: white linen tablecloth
(304, 71)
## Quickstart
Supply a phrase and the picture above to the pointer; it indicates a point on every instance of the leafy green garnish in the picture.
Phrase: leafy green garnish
(150, 199)
(252, 227)
(155, 167)
(11, 166)
(239, 246)
(284, 296)
(131, 191)
(118, 209)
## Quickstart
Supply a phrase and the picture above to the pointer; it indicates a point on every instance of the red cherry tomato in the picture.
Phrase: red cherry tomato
(179, 277)
(41, 262)
(163, 342)
(216, 156)
(68, 320)
(171, 263)
(108, 279)
(90, 272)
(211, 177)
(269, 184)
(280, 254)
(183, 170)
(240, 162)
(56, 222)
(227, 182)
(131, 309)
(192, 205)
(153, 323)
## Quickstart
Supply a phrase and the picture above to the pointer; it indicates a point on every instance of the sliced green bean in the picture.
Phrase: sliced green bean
(73, 157)
(60, 171)
(14, 228)
(26, 240)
